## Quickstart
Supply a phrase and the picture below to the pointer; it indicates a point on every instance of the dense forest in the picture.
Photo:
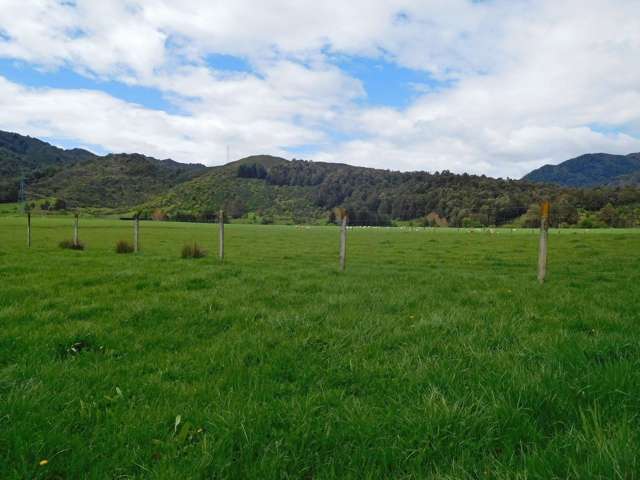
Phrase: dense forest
(376, 197)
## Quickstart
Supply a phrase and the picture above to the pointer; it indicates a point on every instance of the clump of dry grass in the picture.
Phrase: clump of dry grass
(193, 251)
(69, 244)
(124, 247)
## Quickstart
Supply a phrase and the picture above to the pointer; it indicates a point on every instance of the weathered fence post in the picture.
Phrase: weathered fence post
(75, 231)
(544, 237)
(343, 238)
(29, 229)
(221, 235)
(136, 233)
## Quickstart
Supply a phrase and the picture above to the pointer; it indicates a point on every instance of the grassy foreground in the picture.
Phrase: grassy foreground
(435, 355)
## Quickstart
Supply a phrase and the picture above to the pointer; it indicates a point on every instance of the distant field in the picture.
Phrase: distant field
(435, 355)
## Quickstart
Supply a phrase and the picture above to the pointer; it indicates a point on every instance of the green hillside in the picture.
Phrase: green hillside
(22, 156)
(303, 191)
(83, 178)
(221, 187)
(120, 180)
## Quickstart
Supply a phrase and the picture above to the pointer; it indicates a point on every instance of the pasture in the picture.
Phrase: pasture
(436, 354)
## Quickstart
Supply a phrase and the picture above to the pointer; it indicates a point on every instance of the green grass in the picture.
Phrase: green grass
(435, 355)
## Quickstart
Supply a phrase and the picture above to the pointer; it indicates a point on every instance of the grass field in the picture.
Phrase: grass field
(435, 355)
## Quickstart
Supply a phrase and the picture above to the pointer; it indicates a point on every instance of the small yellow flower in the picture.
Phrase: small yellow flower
(43, 462)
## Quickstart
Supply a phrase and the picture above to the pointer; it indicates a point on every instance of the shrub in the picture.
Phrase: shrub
(193, 251)
(59, 204)
(158, 215)
(72, 246)
(124, 247)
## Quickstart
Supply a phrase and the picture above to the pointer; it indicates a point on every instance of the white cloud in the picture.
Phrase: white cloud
(530, 78)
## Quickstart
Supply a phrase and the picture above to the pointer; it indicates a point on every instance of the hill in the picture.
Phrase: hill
(115, 180)
(303, 191)
(83, 178)
(265, 189)
(26, 156)
(226, 187)
(593, 169)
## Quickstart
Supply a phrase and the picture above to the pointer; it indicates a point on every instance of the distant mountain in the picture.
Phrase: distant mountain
(83, 178)
(590, 170)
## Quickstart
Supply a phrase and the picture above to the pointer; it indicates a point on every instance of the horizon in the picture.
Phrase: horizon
(466, 86)
(308, 160)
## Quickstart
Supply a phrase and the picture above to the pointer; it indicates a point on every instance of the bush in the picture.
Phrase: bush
(59, 204)
(124, 247)
(72, 246)
(193, 251)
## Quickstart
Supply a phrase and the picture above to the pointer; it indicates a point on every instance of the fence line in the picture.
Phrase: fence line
(343, 216)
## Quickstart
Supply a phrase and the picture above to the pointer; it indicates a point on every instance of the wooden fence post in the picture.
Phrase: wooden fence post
(221, 235)
(343, 241)
(544, 237)
(75, 231)
(29, 229)
(136, 233)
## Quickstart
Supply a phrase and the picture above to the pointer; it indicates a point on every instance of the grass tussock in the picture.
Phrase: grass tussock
(193, 251)
(122, 246)
(70, 245)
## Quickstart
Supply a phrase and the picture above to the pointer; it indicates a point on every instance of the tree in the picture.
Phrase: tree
(609, 215)
(59, 204)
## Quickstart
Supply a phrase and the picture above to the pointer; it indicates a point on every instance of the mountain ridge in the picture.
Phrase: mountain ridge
(590, 170)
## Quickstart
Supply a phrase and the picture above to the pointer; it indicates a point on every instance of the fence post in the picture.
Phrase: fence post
(221, 235)
(29, 229)
(75, 231)
(136, 233)
(343, 241)
(544, 237)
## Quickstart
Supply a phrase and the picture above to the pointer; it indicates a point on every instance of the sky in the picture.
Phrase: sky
(488, 87)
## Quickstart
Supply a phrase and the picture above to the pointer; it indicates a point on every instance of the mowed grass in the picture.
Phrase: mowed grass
(435, 355)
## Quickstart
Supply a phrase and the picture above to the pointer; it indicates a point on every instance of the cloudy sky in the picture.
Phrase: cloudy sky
(493, 87)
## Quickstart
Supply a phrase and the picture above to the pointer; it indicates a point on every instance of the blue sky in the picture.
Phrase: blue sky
(63, 77)
(497, 87)
(388, 84)
(385, 84)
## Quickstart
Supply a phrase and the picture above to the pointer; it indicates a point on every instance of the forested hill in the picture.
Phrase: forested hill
(593, 169)
(269, 189)
(115, 180)
(21, 155)
(82, 178)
